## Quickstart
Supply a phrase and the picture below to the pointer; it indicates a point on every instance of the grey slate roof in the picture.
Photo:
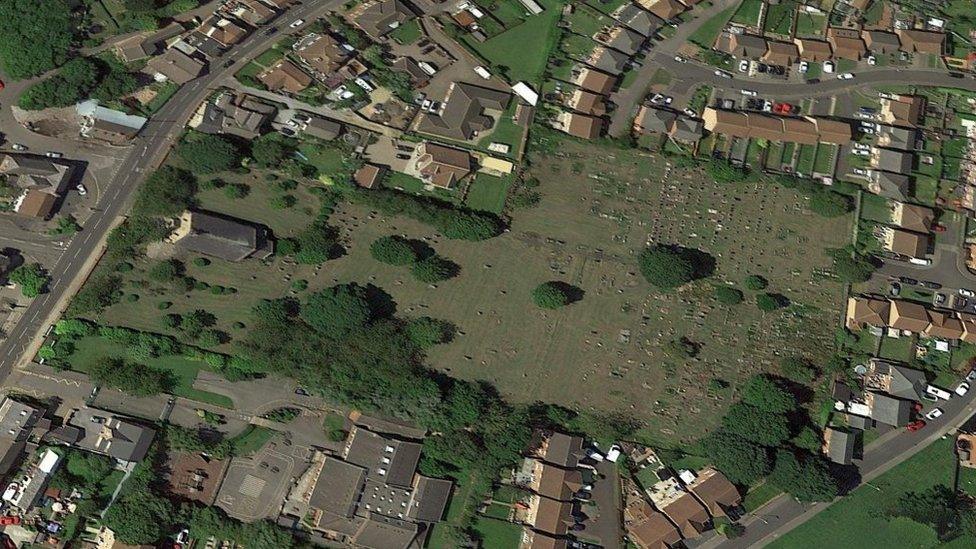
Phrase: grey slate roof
(463, 112)
(224, 237)
(656, 120)
(899, 138)
(113, 436)
(386, 459)
(890, 410)
(841, 447)
(638, 19)
(384, 16)
(338, 487)
(323, 128)
(430, 499)
(892, 185)
(687, 129)
(895, 161)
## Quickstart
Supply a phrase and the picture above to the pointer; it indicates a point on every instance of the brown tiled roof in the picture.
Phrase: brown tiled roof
(921, 41)
(846, 43)
(908, 243)
(367, 176)
(864, 311)
(813, 50)
(781, 53)
(587, 127)
(37, 204)
(715, 492)
(943, 325)
(558, 483)
(690, 516)
(597, 82)
(553, 517)
(285, 75)
(906, 315)
(665, 9)
(648, 528)
(588, 103)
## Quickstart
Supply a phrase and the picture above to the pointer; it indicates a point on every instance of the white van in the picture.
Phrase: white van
(920, 261)
(937, 392)
(482, 72)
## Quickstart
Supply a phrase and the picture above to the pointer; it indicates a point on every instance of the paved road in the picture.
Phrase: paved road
(784, 513)
(147, 151)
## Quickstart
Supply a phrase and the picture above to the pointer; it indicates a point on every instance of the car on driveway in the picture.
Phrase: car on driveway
(828, 67)
(748, 93)
(895, 288)
(680, 59)
(916, 425)
(804, 66)
(939, 299)
(934, 414)
(971, 376)
(18, 147)
(81, 189)
(744, 65)
(297, 23)
(962, 389)
(966, 293)
(938, 392)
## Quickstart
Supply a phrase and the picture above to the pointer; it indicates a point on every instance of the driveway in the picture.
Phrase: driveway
(948, 262)
(606, 525)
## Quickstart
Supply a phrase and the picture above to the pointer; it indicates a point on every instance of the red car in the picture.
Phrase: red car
(939, 228)
(916, 425)
(1, 84)
(8, 520)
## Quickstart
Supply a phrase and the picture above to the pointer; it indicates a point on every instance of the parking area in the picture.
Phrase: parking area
(254, 487)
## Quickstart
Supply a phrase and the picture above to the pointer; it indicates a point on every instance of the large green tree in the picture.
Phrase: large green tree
(35, 36)
(743, 461)
(766, 394)
(392, 250)
(337, 311)
(205, 153)
(128, 377)
(804, 476)
(756, 425)
(167, 192)
(667, 267)
(32, 278)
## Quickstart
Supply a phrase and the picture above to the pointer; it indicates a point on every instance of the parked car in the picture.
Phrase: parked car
(971, 376)
(18, 147)
(81, 189)
(908, 280)
(9, 520)
(53, 154)
(804, 67)
(690, 113)
(859, 171)
(744, 65)
(933, 414)
(895, 288)
(594, 454)
(938, 392)
(362, 83)
(967, 293)
(270, 31)
(846, 76)
(302, 117)
(286, 131)
(939, 299)
(872, 60)
(939, 228)
(749, 93)
(723, 74)
(301, 392)
(930, 285)
(962, 389)
(297, 23)
(828, 67)
(680, 59)
(613, 453)
(916, 425)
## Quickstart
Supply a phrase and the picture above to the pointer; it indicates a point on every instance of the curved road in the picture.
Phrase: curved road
(146, 152)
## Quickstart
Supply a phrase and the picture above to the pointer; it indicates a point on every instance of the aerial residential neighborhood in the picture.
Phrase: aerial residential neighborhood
(404, 274)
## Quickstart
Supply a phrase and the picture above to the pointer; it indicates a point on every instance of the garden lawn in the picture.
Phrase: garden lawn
(809, 24)
(748, 12)
(498, 533)
(805, 159)
(875, 208)
(488, 193)
(901, 349)
(779, 19)
(706, 34)
(252, 439)
(407, 33)
(859, 519)
(523, 49)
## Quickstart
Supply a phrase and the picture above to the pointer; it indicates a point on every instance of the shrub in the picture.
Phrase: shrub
(392, 250)
(201, 261)
(728, 296)
(756, 283)
(207, 153)
(434, 269)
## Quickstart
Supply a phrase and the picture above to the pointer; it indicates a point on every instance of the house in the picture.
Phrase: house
(813, 50)
(198, 42)
(25, 491)
(912, 217)
(103, 432)
(895, 137)
(468, 111)
(839, 445)
(716, 493)
(418, 78)
(41, 183)
(223, 30)
(865, 312)
(905, 242)
(608, 60)
(537, 540)
(368, 175)
(880, 42)
(554, 482)
(585, 102)
(240, 115)
(285, 76)
(895, 186)
(556, 448)
(595, 81)
(322, 54)
(580, 125)
(108, 125)
(846, 43)
(638, 19)
(621, 39)
(176, 66)
(747, 46)
(686, 512)
(832, 131)
(665, 10)
(887, 409)
(442, 166)
(807, 129)
(142, 46)
(550, 516)
(908, 316)
(895, 380)
(943, 326)
(903, 110)
(16, 422)
(379, 18)
(781, 53)
(891, 160)
(646, 527)
(650, 119)
(921, 41)
(252, 12)
(686, 129)
(968, 327)
(221, 236)
(322, 128)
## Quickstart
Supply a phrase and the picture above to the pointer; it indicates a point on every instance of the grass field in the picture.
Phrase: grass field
(523, 49)
(91, 350)
(859, 519)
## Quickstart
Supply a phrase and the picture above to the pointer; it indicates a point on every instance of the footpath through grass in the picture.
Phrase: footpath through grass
(860, 520)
